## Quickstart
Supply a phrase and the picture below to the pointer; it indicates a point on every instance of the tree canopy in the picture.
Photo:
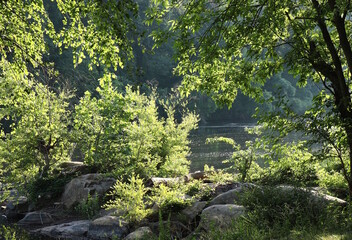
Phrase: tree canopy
(223, 46)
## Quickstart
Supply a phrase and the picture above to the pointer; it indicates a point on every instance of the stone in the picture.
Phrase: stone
(75, 230)
(198, 175)
(316, 195)
(78, 189)
(193, 211)
(231, 196)
(73, 167)
(36, 218)
(220, 216)
(107, 227)
(14, 205)
(140, 233)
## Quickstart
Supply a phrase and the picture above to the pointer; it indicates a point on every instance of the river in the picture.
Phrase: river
(214, 154)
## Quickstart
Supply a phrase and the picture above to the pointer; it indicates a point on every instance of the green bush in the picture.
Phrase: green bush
(170, 198)
(129, 199)
(122, 133)
(292, 206)
(276, 213)
(49, 187)
(39, 139)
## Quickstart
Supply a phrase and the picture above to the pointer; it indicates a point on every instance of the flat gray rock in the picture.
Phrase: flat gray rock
(76, 230)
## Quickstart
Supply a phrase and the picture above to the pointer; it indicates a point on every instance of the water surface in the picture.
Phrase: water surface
(214, 154)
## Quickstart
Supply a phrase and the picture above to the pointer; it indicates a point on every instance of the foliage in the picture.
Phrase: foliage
(129, 199)
(164, 228)
(226, 46)
(243, 162)
(89, 208)
(13, 233)
(170, 198)
(39, 189)
(325, 144)
(122, 133)
(218, 176)
(275, 212)
(39, 118)
(291, 164)
(197, 190)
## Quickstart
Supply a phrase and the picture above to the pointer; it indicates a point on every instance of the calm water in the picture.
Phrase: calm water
(214, 154)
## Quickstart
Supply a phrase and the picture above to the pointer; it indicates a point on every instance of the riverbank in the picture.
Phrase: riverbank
(201, 205)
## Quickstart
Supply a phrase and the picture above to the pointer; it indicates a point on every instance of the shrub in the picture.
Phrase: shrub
(290, 163)
(275, 205)
(129, 199)
(122, 133)
(170, 198)
(49, 187)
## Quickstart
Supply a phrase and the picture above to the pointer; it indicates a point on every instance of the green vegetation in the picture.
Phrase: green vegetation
(245, 54)
(89, 208)
(276, 213)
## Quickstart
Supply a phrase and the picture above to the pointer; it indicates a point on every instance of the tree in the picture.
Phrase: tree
(223, 46)
(36, 111)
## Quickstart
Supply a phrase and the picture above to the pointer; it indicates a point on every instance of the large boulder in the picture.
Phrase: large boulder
(76, 230)
(36, 218)
(220, 216)
(107, 227)
(78, 189)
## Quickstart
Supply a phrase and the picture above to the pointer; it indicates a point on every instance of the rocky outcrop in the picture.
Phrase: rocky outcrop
(36, 218)
(220, 216)
(78, 189)
(76, 230)
(107, 227)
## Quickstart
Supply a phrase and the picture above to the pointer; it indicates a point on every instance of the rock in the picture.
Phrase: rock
(140, 233)
(231, 196)
(36, 218)
(316, 195)
(75, 230)
(107, 227)
(220, 216)
(74, 167)
(14, 205)
(193, 211)
(198, 175)
(19, 204)
(78, 189)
